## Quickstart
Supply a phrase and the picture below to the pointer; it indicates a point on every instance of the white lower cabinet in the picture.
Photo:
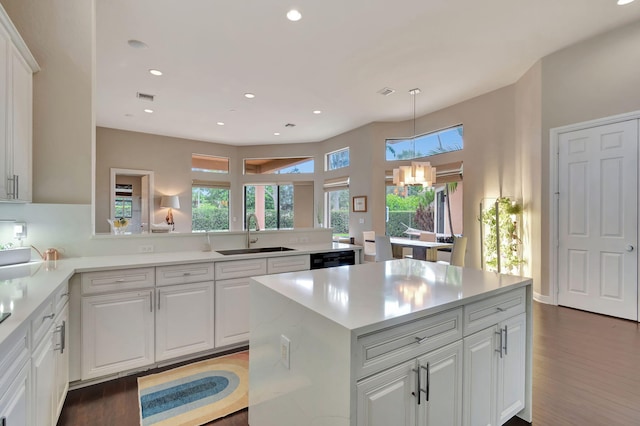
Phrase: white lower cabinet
(424, 391)
(14, 406)
(494, 361)
(44, 367)
(184, 319)
(61, 350)
(117, 333)
(232, 311)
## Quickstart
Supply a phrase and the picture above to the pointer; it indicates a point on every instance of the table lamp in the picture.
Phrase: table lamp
(172, 202)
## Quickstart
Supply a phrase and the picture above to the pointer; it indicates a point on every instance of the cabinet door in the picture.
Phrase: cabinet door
(389, 397)
(61, 350)
(43, 380)
(184, 319)
(441, 381)
(481, 378)
(511, 375)
(117, 333)
(21, 113)
(232, 311)
(13, 405)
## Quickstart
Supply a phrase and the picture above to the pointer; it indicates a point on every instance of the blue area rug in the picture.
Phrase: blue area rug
(196, 393)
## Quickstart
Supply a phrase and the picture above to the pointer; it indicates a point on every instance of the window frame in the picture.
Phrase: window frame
(327, 162)
(390, 142)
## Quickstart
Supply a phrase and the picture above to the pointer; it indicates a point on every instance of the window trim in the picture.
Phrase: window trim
(414, 138)
(326, 159)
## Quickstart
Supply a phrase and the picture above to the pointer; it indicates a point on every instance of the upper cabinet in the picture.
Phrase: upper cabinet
(17, 66)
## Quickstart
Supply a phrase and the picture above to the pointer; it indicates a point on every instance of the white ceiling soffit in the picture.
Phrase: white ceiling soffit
(335, 59)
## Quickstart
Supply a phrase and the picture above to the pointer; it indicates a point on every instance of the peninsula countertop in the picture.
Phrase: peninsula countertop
(384, 293)
(25, 287)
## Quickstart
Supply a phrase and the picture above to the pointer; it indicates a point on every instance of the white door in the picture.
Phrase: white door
(598, 216)
(232, 311)
(184, 320)
(441, 381)
(117, 333)
(389, 397)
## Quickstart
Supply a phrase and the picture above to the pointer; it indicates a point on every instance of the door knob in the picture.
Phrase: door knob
(630, 247)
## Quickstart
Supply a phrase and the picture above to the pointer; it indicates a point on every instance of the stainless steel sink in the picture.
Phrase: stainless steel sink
(253, 250)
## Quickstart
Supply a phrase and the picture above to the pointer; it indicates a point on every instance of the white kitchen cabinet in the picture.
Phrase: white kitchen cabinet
(184, 320)
(117, 333)
(495, 373)
(44, 364)
(17, 66)
(387, 397)
(232, 311)
(61, 351)
(425, 392)
(14, 408)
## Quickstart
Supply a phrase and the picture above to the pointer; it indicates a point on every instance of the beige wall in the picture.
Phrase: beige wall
(60, 35)
(597, 78)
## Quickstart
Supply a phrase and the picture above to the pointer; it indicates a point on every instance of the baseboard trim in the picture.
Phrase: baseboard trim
(542, 298)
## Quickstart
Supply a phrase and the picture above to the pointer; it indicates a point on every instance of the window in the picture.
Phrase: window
(337, 205)
(446, 140)
(124, 207)
(271, 203)
(413, 208)
(209, 206)
(337, 159)
(265, 166)
(209, 164)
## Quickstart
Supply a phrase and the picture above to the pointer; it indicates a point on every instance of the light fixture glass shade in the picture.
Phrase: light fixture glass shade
(171, 201)
(418, 173)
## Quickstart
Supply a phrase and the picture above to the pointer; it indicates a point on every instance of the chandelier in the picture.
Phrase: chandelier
(419, 172)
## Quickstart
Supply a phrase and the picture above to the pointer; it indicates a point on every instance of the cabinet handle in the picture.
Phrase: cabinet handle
(120, 280)
(428, 380)
(421, 340)
(158, 296)
(3, 421)
(48, 317)
(16, 191)
(500, 309)
(418, 389)
(186, 274)
(499, 350)
(62, 330)
(505, 339)
(151, 302)
(64, 295)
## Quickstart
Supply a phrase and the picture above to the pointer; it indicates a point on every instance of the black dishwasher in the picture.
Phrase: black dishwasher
(332, 258)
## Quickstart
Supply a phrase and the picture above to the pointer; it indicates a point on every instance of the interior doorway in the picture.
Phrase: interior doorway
(597, 217)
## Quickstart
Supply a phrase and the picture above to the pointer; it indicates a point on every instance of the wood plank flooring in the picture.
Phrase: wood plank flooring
(586, 371)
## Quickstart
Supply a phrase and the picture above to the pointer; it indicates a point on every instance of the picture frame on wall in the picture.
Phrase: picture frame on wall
(359, 204)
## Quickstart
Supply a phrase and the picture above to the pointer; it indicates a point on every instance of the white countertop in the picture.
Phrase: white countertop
(383, 293)
(25, 287)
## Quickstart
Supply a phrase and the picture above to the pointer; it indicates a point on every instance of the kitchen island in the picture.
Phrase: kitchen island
(402, 342)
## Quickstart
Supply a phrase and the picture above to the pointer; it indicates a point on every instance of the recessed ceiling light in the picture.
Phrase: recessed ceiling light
(623, 2)
(128, 115)
(220, 123)
(137, 44)
(148, 111)
(276, 134)
(155, 72)
(317, 111)
(249, 95)
(293, 15)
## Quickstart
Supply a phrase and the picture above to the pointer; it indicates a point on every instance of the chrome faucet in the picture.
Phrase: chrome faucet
(249, 240)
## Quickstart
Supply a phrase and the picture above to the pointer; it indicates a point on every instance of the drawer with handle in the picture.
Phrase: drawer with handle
(240, 268)
(276, 265)
(117, 279)
(490, 311)
(184, 274)
(382, 349)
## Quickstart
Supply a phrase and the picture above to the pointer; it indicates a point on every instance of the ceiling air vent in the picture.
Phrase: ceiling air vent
(289, 125)
(386, 91)
(145, 96)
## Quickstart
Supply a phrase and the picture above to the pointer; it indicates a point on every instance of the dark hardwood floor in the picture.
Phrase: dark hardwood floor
(586, 371)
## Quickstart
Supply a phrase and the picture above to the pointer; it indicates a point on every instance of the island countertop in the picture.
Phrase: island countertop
(384, 293)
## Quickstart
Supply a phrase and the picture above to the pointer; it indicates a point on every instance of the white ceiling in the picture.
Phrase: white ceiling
(334, 59)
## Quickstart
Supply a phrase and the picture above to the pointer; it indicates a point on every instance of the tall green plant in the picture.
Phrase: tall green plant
(506, 222)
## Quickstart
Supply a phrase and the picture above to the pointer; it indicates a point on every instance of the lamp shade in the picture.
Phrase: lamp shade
(171, 201)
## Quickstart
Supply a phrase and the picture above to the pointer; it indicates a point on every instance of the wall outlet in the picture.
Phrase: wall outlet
(361, 220)
(146, 248)
(285, 350)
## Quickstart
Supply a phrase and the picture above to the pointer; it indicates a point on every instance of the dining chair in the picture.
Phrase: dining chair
(458, 251)
(369, 245)
(383, 248)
